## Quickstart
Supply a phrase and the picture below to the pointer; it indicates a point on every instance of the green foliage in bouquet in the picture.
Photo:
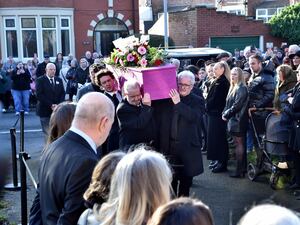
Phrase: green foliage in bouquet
(133, 52)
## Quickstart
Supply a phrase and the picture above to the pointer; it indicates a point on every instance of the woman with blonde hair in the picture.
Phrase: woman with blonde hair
(182, 211)
(140, 184)
(217, 146)
(235, 113)
(98, 190)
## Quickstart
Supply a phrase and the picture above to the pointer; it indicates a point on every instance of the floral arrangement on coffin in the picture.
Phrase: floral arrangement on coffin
(134, 52)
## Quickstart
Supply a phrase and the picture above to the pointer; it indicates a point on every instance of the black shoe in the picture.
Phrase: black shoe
(219, 168)
(212, 164)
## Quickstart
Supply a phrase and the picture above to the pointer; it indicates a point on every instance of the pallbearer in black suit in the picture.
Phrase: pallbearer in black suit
(135, 117)
(107, 81)
(185, 139)
(49, 92)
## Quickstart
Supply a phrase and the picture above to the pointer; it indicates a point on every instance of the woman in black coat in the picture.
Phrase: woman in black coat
(294, 111)
(217, 146)
(235, 113)
(185, 138)
(72, 84)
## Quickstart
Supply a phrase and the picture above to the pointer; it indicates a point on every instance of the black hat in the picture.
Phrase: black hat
(291, 56)
(222, 55)
(46, 56)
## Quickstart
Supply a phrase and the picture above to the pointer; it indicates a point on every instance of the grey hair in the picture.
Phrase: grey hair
(187, 74)
(130, 84)
(269, 214)
(175, 62)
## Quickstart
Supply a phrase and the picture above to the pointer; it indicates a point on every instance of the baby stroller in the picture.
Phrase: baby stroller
(274, 142)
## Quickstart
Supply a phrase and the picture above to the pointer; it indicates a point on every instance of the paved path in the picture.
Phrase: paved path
(227, 197)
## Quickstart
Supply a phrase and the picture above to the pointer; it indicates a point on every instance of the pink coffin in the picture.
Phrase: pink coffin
(157, 81)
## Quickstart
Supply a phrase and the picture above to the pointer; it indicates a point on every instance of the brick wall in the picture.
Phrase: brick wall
(35, 3)
(183, 28)
(85, 13)
(203, 23)
(252, 4)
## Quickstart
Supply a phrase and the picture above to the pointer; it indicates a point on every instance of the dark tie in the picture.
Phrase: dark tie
(115, 100)
(52, 83)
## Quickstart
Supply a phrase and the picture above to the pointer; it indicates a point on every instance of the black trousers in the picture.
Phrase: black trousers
(181, 183)
(6, 99)
(296, 159)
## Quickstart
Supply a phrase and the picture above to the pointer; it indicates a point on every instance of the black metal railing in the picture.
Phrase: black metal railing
(24, 168)
(15, 185)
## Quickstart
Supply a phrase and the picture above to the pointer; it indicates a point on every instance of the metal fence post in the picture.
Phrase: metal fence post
(15, 186)
(22, 156)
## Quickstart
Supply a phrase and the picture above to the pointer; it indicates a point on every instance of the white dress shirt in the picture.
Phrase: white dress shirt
(85, 137)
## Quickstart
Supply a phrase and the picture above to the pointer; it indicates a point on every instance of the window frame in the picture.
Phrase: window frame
(37, 13)
(21, 29)
(10, 29)
(266, 17)
(56, 28)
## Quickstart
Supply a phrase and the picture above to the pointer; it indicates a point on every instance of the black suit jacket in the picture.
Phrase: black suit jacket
(136, 124)
(112, 141)
(46, 95)
(64, 175)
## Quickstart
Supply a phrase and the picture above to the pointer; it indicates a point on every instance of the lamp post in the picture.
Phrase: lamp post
(166, 24)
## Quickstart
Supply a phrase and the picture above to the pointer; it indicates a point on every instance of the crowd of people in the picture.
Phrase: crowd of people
(136, 137)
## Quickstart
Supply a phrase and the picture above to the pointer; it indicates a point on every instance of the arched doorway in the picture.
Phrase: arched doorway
(106, 31)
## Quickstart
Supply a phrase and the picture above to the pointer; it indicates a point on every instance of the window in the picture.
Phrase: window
(49, 36)
(29, 41)
(266, 14)
(26, 35)
(11, 37)
(65, 36)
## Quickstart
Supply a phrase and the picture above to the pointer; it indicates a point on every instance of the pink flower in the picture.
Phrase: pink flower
(144, 62)
(121, 62)
(130, 57)
(142, 50)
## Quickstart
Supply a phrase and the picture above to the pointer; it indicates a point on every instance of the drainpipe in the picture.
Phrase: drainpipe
(133, 16)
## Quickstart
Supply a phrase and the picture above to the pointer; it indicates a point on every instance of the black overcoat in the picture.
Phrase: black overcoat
(185, 137)
(217, 146)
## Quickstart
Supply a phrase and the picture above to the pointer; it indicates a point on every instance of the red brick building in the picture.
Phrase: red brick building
(202, 26)
(69, 26)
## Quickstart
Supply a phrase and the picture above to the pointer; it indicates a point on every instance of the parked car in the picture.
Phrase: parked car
(194, 56)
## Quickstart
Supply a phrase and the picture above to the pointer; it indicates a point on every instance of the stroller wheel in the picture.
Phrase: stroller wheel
(273, 180)
(251, 172)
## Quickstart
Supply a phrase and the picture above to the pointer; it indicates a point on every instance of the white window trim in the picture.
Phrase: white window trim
(36, 12)
(56, 29)
(4, 41)
(20, 29)
(266, 17)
